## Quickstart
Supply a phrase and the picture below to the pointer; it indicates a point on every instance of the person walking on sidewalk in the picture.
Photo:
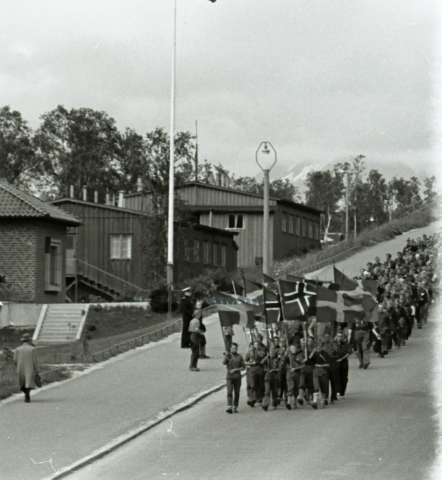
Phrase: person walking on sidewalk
(234, 363)
(196, 336)
(25, 358)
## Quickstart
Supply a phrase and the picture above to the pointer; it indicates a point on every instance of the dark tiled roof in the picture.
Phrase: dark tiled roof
(17, 204)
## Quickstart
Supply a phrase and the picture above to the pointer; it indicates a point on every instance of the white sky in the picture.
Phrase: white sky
(322, 79)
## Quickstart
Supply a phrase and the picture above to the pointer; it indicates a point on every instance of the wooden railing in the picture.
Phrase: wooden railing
(124, 288)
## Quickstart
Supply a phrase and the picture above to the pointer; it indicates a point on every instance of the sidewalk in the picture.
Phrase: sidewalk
(68, 421)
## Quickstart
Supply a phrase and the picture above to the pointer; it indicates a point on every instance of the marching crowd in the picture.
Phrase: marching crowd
(307, 362)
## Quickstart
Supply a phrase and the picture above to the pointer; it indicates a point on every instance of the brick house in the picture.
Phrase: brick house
(32, 246)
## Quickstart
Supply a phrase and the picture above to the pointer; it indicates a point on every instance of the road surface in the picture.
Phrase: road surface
(385, 428)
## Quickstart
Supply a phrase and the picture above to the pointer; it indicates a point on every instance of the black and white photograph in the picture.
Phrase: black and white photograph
(220, 224)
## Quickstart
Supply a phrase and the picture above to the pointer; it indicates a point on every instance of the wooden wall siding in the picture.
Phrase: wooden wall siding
(141, 202)
(287, 243)
(185, 240)
(93, 239)
(202, 195)
(249, 240)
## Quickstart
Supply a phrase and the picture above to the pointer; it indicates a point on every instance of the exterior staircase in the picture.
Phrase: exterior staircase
(60, 323)
(100, 282)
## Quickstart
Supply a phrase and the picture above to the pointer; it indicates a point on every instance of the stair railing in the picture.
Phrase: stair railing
(113, 282)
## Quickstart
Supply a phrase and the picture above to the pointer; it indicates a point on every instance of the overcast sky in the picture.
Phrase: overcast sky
(322, 79)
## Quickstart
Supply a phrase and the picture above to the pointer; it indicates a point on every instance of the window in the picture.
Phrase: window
(236, 221)
(196, 251)
(310, 229)
(291, 224)
(298, 226)
(223, 256)
(206, 253)
(187, 250)
(284, 223)
(53, 264)
(303, 227)
(121, 247)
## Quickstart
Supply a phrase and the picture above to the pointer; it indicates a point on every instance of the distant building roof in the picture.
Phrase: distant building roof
(15, 203)
(281, 201)
(62, 201)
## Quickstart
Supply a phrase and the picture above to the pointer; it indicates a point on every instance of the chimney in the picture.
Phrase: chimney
(71, 191)
(107, 199)
(139, 184)
(121, 199)
(95, 196)
(84, 194)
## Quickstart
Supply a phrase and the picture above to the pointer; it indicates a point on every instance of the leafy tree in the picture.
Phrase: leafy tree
(429, 191)
(404, 195)
(324, 191)
(17, 157)
(80, 147)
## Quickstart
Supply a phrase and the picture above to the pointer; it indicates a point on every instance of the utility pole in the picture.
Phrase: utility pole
(347, 193)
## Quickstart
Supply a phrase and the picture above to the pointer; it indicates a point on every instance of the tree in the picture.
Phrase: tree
(17, 158)
(80, 147)
(324, 190)
(371, 200)
(429, 191)
(404, 195)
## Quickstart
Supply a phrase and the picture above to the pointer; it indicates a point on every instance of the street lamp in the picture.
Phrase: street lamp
(171, 200)
(266, 159)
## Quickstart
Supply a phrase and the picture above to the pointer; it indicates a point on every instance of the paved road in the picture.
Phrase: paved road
(385, 429)
(67, 422)
(382, 430)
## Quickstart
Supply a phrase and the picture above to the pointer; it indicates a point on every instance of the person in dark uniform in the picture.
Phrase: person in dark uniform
(234, 363)
(186, 308)
(272, 373)
(254, 360)
(294, 362)
(343, 351)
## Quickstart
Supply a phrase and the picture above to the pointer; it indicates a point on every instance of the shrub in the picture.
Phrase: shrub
(159, 300)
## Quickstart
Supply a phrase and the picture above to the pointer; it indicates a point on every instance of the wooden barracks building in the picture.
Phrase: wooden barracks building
(108, 256)
(294, 227)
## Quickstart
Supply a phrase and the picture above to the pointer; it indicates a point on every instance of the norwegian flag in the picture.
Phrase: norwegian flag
(272, 306)
(296, 298)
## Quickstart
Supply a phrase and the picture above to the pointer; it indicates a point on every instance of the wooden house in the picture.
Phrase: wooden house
(110, 253)
(294, 228)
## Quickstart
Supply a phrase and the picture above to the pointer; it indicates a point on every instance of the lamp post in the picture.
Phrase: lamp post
(171, 199)
(266, 159)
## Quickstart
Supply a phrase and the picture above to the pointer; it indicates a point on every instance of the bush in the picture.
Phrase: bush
(159, 300)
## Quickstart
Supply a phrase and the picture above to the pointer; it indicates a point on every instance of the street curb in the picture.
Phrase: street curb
(131, 435)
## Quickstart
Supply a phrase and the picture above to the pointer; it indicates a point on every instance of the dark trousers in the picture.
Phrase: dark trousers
(195, 351)
(343, 376)
(334, 380)
(255, 384)
(271, 389)
(27, 392)
(233, 389)
(293, 380)
(321, 381)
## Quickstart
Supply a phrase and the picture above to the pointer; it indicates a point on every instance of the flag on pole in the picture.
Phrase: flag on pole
(296, 298)
(344, 282)
(272, 305)
(234, 309)
(332, 305)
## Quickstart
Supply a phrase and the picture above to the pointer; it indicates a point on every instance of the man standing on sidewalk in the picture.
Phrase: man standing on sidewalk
(234, 363)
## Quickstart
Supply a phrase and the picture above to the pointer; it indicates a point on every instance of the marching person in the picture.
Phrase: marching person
(320, 360)
(235, 364)
(272, 374)
(196, 336)
(343, 350)
(294, 362)
(254, 360)
(25, 357)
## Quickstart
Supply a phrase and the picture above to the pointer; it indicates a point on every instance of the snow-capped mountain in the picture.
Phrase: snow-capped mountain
(299, 172)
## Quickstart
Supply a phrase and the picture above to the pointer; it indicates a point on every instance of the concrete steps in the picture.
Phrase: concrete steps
(60, 323)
